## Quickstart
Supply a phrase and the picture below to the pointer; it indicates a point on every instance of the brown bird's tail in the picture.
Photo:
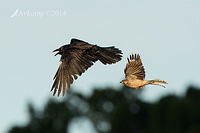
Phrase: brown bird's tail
(109, 55)
(156, 81)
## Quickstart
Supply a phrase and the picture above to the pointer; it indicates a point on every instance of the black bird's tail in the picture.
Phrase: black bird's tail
(109, 55)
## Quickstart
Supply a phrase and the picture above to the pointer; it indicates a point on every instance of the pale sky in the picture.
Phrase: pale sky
(165, 34)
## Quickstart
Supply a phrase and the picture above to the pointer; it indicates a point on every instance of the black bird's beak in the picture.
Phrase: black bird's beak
(56, 50)
(59, 52)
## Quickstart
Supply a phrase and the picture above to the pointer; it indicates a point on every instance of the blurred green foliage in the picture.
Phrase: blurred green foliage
(118, 111)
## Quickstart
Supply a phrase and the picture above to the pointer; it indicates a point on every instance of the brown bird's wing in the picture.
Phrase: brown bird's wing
(134, 68)
(74, 63)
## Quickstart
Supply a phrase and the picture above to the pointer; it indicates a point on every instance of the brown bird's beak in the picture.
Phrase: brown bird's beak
(122, 82)
(59, 52)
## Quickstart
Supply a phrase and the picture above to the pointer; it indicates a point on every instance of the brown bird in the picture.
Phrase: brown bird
(76, 58)
(135, 74)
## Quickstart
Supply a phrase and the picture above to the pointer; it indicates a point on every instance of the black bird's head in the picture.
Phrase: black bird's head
(59, 51)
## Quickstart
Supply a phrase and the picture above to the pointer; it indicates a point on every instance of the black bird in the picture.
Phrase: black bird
(76, 58)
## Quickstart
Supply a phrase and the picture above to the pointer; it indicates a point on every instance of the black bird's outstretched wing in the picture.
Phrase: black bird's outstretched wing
(76, 58)
(74, 63)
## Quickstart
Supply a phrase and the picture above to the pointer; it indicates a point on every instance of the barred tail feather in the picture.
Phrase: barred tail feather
(156, 82)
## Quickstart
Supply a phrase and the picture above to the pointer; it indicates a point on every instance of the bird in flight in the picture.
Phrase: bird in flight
(135, 74)
(76, 58)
